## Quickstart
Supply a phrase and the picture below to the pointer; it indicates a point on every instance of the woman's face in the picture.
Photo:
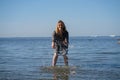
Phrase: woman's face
(60, 26)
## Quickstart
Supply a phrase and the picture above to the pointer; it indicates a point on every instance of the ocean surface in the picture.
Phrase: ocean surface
(93, 58)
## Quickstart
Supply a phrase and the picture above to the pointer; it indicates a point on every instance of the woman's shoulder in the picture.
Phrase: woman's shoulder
(54, 32)
(66, 32)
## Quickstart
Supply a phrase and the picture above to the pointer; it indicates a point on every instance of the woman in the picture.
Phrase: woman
(60, 41)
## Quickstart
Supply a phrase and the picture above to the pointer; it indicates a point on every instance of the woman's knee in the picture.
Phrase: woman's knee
(65, 57)
(55, 54)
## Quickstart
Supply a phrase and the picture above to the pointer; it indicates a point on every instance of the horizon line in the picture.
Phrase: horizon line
(51, 36)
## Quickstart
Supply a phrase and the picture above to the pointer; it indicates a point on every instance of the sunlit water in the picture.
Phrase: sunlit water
(94, 58)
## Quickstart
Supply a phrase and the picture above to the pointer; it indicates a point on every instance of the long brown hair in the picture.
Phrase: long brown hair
(63, 28)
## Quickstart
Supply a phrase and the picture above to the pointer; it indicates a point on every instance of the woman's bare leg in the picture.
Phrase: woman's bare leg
(65, 60)
(55, 57)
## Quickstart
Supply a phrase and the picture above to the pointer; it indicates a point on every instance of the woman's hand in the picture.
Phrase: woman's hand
(65, 43)
(53, 45)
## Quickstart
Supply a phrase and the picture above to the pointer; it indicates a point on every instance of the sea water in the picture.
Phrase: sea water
(94, 58)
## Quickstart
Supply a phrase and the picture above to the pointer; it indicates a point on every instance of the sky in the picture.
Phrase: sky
(38, 18)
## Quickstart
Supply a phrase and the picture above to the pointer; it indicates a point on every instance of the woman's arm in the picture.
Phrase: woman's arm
(66, 41)
(53, 45)
(53, 40)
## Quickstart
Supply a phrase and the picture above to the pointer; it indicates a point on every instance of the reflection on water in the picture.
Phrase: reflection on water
(61, 77)
(59, 72)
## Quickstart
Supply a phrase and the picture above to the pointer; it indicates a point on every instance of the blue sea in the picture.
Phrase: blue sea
(94, 58)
